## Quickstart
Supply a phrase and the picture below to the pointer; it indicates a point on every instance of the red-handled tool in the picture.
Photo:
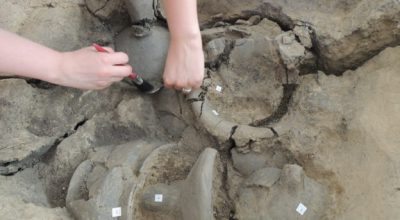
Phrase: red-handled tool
(140, 83)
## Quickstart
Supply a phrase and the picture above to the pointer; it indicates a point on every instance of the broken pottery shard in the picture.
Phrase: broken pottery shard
(105, 197)
(197, 193)
(140, 10)
(265, 177)
(268, 195)
(244, 134)
(78, 182)
(293, 177)
(131, 155)
(247, 163)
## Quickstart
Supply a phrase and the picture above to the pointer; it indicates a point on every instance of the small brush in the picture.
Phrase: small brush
(140, 83)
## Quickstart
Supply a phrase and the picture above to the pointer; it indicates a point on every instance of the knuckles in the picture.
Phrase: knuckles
(128, 71)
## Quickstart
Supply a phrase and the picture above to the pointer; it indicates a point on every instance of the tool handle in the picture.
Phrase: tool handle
(99, 48)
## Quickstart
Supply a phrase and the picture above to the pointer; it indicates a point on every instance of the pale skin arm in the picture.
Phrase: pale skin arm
(83, 69)
(184, 66)
(88, 69)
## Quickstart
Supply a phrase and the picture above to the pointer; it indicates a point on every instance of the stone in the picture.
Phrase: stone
(147, 54)
(214, 49)
(287, 39)
(254, 20)
(140, 10)
(242, 22)
(304, 34)
(212, 33)
(291, 51)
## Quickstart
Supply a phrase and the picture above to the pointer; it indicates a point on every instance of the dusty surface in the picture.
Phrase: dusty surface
(270, 129)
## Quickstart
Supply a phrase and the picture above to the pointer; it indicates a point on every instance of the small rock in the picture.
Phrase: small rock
(291, 51)
(303, 33)
(214, 49)
(255, 19)
(240, 31)
(242, 22)
(287, 39)
(220, 24)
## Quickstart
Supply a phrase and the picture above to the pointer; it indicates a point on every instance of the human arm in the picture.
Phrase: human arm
(184, 66)
(83, 69)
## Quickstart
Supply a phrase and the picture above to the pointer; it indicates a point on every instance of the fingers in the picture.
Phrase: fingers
(118, 58)
(120, 71)
(183, 82)
(109, 49)
(102, 84)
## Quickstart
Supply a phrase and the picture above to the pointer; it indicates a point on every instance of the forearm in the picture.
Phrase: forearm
(22, 57)
(182, 19)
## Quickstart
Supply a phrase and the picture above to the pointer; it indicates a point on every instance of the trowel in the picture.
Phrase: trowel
(138, 81)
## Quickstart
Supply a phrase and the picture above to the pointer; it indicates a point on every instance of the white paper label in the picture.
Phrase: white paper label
(158, 197)
(215, 112)
(218, 88)
(301, 209)
(116, 212)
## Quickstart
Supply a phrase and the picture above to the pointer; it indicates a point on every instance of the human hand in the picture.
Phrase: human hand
(184, 66)
(88, 69)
